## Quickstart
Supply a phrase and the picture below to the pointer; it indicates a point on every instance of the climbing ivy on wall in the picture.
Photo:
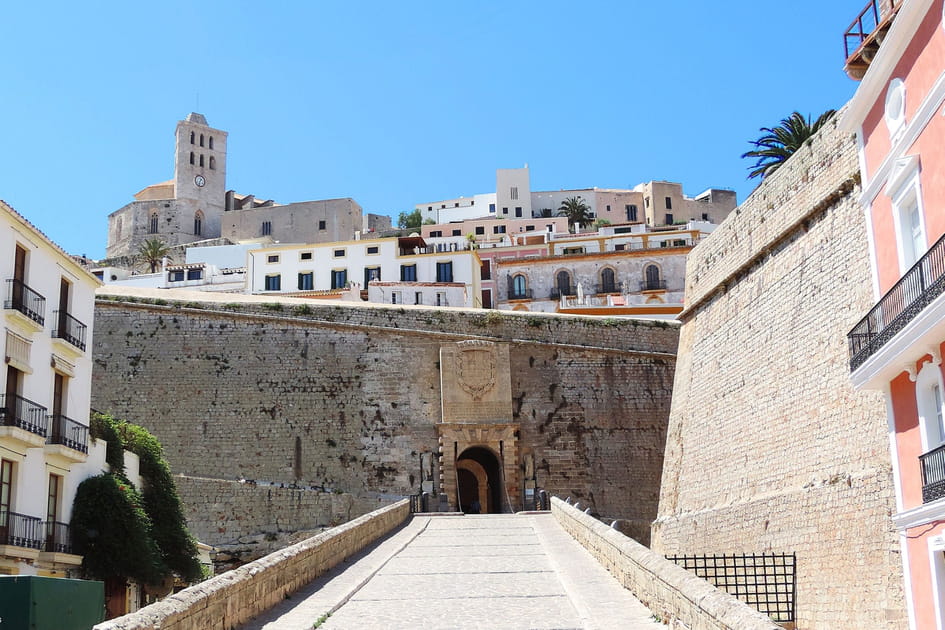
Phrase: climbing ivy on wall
(122, 533)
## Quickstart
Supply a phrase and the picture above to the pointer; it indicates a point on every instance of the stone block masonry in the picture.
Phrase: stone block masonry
(347, 398)
(769, 447)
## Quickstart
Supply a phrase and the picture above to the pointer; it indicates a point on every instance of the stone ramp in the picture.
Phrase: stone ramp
(454, 572)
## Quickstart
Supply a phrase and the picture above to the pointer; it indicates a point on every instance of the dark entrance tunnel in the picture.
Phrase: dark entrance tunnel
(479, 477)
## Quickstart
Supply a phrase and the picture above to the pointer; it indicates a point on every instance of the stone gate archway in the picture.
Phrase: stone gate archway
(479, 481)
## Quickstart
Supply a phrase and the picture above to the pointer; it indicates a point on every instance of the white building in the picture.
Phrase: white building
(390, 270)
(44, 407)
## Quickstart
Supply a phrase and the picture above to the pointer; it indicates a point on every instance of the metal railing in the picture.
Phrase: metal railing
(16, 411)
(917, 288)
(24, 299)
(525, 294)
(69, 433)
(20, 530)
(70, 329)
(865, 23)
(557, 292)
(58, 537)
(764, 581)
(610, 287)
(652, 285)
(933, 474)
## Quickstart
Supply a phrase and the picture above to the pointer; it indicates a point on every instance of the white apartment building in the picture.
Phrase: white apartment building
(44, 407)
(402, 270)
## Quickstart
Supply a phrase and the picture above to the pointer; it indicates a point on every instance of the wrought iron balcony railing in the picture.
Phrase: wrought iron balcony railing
(70, 329)
(69, 433)
(610, 287)
(557, 292)
(933, 474)
(653, 285)
(16, 411)
(20, 530)
(524, 294)
(24, 299)
(862, 39)
(58, 537)
(917, 288)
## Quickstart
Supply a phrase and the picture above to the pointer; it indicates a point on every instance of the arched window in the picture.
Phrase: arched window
(191, 157)
(201, 139)
(563, 283)
(153, 227)
(652, 275)
(211, 142)
(201, 159)
(519, 287)
(191, 137)
(608, 282)
(213, 163)
(198, 223)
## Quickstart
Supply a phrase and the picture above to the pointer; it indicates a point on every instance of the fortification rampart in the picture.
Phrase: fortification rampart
(769, 448)
(347, 398)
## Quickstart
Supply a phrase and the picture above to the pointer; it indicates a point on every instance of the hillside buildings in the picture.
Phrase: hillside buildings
(195, 205)
(897, 115)
(44, 406)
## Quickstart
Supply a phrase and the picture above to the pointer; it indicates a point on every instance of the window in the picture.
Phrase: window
(456, 205)
(457, 232)
(480, 229)
(429, 208)
(669, 218)
(321, 224)
(339, 278)
(607, 281)
(620, 247)
(436, 233)
(513, 193)
(211, 143)
(201, 139)
(274, 282)
(568, 251)
(272, 258)
(371, 274)
(669, 203)
(191, 140)
(646, 201)
(52, 502)
(505, 210)
(305, 256)
(192, 157)
(266, 228)
(705, 216)
(485, 271)
(306, 281)
(441, 299)
(492, 207)
(563, 283)
(408, 273)
(395, 298)
(338, 253)
(195, 274)
(201, 159)
(198, 223)
(442, 205)
(518, 212)
(652, 278)
(444, 272)
(928, 392)
(498, 229)
(418, 298)
(608, 208)
(529, 228)
(153, 225)
(631, 212)
(907, 209)
(213, 163)
(373, 249)
(175, 276)
(519, 288)
(6, 490)
(895, 112)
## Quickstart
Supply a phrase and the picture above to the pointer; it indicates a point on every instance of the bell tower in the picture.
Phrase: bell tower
(200, 173)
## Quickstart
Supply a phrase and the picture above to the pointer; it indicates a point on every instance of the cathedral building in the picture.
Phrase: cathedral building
(195, 205)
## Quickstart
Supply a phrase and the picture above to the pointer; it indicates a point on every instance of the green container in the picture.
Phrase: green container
(29, 602)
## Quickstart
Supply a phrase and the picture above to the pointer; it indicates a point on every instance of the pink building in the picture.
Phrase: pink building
(897, 47)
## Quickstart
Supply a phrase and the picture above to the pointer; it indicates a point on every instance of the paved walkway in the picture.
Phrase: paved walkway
(456, 572)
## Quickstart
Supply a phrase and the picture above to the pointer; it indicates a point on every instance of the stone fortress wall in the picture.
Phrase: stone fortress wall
(347, 398)
(769, 447)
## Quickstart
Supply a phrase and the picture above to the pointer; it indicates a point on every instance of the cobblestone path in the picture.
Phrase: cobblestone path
(457, 572)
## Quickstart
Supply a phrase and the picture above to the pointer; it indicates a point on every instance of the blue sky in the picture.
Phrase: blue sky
(397, 103)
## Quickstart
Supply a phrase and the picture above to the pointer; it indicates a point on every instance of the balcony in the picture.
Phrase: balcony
(70, 329)
(609, 287)
(19, 530)
(69, 433)
(918, 288)
(23, 414)
(25, 300)
(933, 474)
(653, 285)
(557, 292)
(524, 294)
(863, 38)
(58, 537)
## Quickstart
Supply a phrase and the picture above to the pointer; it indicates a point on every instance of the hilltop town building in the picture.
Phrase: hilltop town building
(897, 347)
(44, 406)
(195, 205)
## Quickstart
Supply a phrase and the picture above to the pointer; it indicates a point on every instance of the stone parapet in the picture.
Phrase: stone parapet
(674, 594)
(234, 597)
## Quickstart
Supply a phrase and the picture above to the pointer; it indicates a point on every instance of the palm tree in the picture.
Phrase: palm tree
(577, 211)
(778, 144)
(153, 251)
